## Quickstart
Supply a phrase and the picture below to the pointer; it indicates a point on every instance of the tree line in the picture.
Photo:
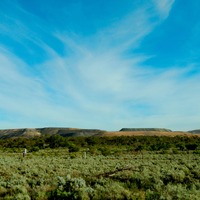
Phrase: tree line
(132, 143)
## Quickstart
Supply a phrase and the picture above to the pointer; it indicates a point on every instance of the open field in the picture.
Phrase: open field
(120, 167)
(58, 174)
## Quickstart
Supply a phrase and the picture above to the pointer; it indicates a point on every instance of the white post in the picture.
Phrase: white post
(84, 155)
(24, 152)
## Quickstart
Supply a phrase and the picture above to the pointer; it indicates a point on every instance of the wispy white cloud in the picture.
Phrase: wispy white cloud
(96, 84)
(163, 7)
(23, 96)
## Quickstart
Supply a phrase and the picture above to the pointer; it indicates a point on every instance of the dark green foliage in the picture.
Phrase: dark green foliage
(71, 188)
(34, 149)
(105, 151)
(105, 144)
(139, 148)
(73, 148)
(180, 146)
(191, 146)
(125, 175)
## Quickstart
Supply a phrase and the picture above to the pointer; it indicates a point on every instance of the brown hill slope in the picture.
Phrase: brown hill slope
(148, 133)
(74, 132)
(66, 132)
(147, 129)
(10, 133)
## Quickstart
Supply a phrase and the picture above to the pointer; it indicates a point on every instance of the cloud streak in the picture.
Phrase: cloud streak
(96, 84)
(163, 7)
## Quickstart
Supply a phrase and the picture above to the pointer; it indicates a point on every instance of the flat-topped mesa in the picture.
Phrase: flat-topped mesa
(197, 131)
(70, 132)
(146, 129)
(65, 132)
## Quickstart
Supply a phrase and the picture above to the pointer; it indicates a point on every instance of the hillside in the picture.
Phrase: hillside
(148, 133)
(66, 132)
(197, 131)
(146, 129)
(75, 132)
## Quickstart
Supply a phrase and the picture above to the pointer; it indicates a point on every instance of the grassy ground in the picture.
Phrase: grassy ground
(57, 174)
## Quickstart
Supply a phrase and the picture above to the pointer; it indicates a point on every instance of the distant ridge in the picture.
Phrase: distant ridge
(70, 132)
(146, 129)
(12, 133)
(76, 132)
(65, 132)
(197, 131)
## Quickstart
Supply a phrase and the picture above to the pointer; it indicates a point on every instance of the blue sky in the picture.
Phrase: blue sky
(100, 64)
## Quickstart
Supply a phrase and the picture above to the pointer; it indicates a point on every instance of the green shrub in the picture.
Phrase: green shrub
(105, 151)
(111, 190)
(73, 148)
(71, 188)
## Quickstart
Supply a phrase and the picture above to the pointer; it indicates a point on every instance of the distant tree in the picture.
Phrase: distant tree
(191, 146)
(73, 148)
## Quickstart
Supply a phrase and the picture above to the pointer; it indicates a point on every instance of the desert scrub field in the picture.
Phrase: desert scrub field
(58, 174)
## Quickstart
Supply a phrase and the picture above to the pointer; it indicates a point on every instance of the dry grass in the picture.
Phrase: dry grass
(148, 133)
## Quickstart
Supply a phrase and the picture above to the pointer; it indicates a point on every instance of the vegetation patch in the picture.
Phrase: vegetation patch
(57, 167)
